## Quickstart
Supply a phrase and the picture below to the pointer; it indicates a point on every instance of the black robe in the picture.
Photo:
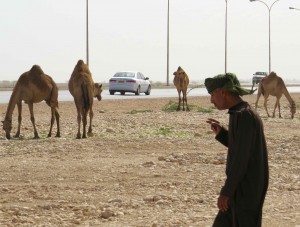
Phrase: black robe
(247, 168)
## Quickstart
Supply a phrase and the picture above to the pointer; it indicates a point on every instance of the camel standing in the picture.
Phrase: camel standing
(32, 87)
(181, 82)
(274, 85)
(83, 89)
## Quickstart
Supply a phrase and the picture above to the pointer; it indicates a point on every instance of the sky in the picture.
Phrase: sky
(132, 35)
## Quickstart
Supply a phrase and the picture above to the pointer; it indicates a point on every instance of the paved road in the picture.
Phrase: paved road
(155, 93)
(64, 95)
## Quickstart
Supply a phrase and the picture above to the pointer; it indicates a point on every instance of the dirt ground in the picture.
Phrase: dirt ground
(142, 167)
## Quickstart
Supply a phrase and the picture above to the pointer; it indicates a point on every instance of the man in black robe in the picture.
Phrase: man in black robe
(241, 198)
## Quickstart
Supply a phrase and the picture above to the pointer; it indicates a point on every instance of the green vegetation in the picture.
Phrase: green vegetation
(205, 110)
(139, 111)
(172, 106)
(164, 131)
(168, 131)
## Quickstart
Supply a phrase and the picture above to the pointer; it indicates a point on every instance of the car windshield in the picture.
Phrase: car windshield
(124, 74)
(261, 73)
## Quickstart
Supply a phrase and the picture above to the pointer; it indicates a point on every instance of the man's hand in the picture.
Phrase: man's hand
(214, 125)
(223, 203)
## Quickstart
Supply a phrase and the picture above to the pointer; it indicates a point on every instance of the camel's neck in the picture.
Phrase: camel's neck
(11, 105)
(288, 96)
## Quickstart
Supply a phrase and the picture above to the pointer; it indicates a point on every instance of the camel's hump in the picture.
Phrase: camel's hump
(36, 70)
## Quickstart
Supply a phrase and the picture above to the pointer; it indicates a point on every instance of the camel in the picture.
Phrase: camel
(274, 85)
(181, 82)
(32, 87)
(83, 89)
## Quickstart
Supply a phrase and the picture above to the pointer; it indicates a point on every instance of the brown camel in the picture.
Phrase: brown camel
(274, 85)
(83, 89)
(181, 82)
(32, 87)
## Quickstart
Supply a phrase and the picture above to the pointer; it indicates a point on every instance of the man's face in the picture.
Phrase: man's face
(217, 97)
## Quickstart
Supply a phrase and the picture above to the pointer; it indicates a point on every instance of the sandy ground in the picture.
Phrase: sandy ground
(142, 167)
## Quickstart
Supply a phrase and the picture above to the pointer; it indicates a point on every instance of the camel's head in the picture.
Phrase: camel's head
(98, 91)
(293, 109)
(7, 126)
(179, 71)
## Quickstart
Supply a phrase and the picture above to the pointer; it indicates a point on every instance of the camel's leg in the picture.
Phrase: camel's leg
(36, 135)
(84, 123)
(78, 122)
(19, 105)
(90, 131)
(258, 96)
(179, 101)
(57, 123)
(187, 107)
(52, 121)
(265, 105)
(275, 106)
(185, 100)
(279, 108)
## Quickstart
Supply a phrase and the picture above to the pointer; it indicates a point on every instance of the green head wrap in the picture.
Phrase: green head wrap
(228, 81)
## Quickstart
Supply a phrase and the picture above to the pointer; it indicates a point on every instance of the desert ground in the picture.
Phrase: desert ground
(143, 166)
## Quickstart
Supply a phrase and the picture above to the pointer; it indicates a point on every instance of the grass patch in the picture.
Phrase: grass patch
(139, 111)
(165, 131)
(171, 106)
(205, 110)
(168, 131)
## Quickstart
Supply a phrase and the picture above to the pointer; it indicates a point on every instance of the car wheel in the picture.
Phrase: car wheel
(138, 91)
(148, 90)
(122, 92)
(111, 92)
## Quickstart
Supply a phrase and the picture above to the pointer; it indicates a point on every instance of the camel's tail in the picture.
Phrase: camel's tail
(198, 86)
(85, 96)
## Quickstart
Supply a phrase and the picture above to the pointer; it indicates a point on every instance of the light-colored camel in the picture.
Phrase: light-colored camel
(83, 89)
(181, 82)
(274, 85)
(32, 87)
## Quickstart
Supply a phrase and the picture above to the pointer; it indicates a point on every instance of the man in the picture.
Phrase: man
(241, 198)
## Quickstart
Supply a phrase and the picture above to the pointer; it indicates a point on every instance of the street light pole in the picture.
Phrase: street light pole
(87, 32)
(168, 42)
(226, 38)
(269, 9)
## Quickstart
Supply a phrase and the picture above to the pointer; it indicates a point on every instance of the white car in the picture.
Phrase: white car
(129, 81)
(257, 77)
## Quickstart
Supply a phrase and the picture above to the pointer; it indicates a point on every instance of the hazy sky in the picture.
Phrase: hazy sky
(132, 35)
